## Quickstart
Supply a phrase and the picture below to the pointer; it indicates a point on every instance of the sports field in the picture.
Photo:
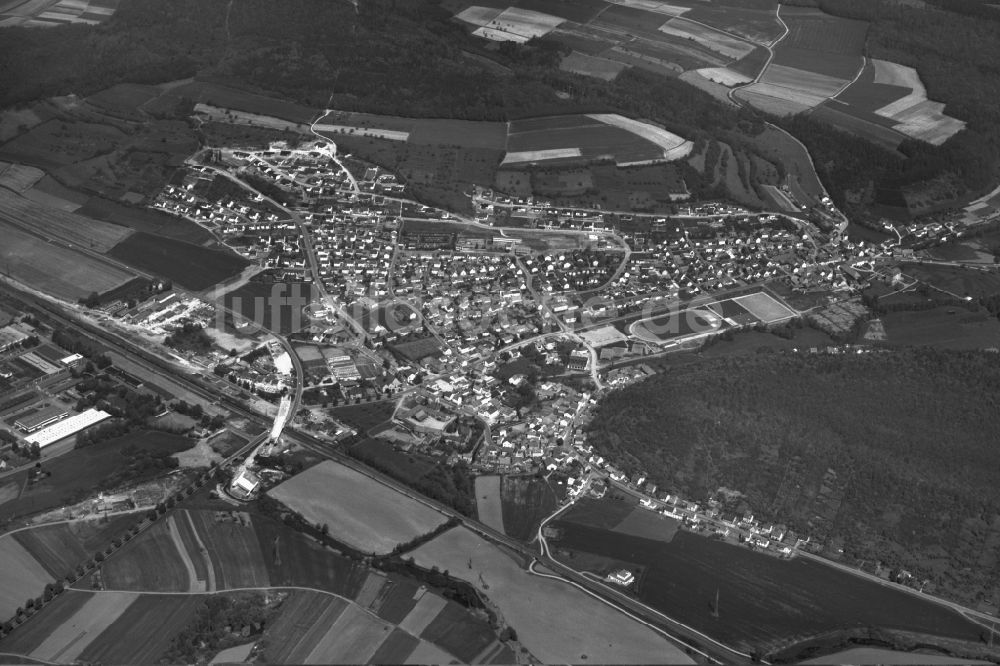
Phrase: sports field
(358, 510)
(676, 326)
(556, 622)
(764, 307)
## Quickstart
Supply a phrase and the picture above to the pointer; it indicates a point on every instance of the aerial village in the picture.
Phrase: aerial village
(492, 345)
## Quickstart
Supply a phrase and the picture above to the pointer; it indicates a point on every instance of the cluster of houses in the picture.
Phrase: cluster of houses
(353, 247)
(575, 270)
(216, 203)
(469, 298)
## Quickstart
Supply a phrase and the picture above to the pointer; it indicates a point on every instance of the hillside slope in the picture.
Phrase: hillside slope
(889, 455)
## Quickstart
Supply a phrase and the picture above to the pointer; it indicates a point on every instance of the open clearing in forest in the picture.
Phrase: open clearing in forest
(557, 622)
(358, 510)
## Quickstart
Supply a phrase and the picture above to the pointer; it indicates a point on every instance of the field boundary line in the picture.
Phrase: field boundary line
(27, 659)
(864, 63)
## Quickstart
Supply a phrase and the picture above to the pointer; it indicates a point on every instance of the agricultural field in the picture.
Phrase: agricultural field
(358, 510)
(61, 547)
(572, 138)
(817, 59)
(31, 636)
(70, 625)
(317, 628)
(61, 225)
(151, 562)
(526, 501)
(419, 131)
(943, 328)
(512, 24)
(82, 472)
(892, 96)
(757, 24)
(590, 65)
(191, 266)
(293, 559)
(556, 622)
(157, 618)
(194, 551)
(489, 508)
(17, 121)
(622, 516)
(29, 260)
(959, 281)
(22, 577)
(18, 177)
(57, 143)
(853, 120)
(231, 544)
(660, 37)
(713, 40)
(124, 100)
(52, 13)
(53, 194)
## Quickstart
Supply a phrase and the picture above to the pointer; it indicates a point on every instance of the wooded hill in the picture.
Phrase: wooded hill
(410, 59)
(891, 455)
(953, 45)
